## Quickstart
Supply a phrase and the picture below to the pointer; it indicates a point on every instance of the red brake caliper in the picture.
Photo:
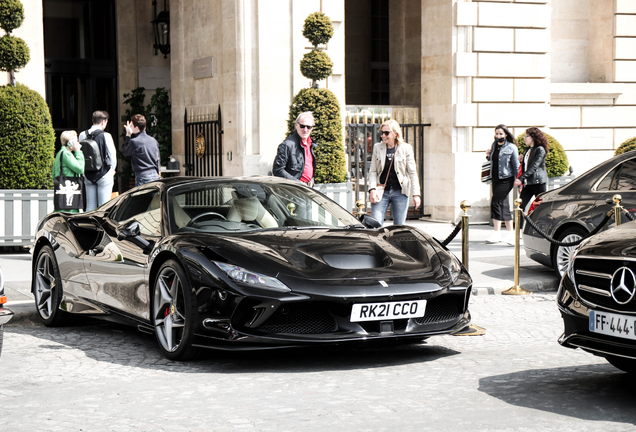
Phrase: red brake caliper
(167, 311)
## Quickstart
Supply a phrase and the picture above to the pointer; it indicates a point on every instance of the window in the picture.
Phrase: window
(627, 178)
(608, 182)
(145, 208)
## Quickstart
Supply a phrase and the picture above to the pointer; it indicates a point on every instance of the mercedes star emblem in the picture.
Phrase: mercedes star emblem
(623, 285)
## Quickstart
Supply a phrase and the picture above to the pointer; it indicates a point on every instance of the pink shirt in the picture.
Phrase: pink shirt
(308, 172)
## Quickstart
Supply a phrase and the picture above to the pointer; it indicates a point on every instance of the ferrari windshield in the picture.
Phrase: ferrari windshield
(222, 206)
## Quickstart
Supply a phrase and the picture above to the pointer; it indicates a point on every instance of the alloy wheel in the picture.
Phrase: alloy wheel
(45, 286)
(564, 253)
(169, 309)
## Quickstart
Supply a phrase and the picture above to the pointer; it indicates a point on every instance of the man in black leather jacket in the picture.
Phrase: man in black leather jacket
(295, 158)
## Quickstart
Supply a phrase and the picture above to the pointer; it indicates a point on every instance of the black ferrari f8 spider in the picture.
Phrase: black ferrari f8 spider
(245, 263)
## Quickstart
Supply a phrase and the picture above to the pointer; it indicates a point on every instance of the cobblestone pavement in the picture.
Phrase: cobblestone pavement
(103, 377)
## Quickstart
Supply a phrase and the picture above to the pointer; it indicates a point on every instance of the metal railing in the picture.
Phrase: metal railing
(203, 143)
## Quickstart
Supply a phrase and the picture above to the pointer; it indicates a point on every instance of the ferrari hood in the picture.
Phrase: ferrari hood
(321, 254)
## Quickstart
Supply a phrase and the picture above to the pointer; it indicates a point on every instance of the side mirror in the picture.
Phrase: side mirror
(132, 233)
(369, 221)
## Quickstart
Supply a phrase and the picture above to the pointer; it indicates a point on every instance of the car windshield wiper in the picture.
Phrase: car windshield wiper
(354, 226)
(307, 227)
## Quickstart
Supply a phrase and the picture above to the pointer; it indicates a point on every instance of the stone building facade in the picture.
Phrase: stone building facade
(566, 66)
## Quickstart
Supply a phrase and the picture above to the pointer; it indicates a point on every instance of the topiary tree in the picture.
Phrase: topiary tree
(556, 162)
(27, 139)
(14, 52)
(316, 65)
(626, 146)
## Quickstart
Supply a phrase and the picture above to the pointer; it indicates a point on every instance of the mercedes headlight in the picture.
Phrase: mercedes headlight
(250, 278)
(570, 270)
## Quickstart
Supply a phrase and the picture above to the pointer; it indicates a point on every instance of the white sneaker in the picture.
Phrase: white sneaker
(510, 239)
(495, 238)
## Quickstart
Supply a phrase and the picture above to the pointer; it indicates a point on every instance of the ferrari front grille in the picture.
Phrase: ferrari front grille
(300, 319)
(441, 309)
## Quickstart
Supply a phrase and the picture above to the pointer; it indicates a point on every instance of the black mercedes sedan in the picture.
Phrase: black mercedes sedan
(245, 263)
(597, 297)
(570, 212)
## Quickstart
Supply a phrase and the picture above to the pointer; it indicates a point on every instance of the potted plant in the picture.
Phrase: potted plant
(27, 139)
(316, 65)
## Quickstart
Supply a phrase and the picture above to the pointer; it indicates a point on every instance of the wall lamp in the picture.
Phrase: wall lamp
(161, 26)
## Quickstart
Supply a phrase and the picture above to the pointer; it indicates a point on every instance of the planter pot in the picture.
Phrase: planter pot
(20, 211)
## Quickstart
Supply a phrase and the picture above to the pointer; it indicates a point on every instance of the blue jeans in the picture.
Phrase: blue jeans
(98, 194)
(146, 178)
(399, 206)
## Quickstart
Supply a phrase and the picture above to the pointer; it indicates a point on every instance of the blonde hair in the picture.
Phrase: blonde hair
(395, 128)
(67, 136)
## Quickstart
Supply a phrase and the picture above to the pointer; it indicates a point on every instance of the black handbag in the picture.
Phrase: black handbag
(69, 191)
(485, 172)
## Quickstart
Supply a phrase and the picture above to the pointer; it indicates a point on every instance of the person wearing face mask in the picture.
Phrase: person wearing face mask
(534, 177)
(504, 167)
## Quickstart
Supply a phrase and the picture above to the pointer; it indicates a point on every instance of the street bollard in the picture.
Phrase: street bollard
(516, 289)
(617, 208)
(465, 206)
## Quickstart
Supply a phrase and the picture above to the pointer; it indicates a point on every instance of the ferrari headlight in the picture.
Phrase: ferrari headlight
(246, 277)
(453, 267)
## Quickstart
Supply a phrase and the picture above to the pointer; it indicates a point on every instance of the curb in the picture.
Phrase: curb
(530, 285)
(23, 313)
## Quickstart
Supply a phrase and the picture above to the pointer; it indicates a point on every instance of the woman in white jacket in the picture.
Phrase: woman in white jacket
(393, 169)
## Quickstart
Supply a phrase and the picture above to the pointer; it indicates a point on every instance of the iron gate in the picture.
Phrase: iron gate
(359, 141)
(203, 143)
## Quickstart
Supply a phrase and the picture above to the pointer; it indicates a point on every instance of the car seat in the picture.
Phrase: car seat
(250, 209)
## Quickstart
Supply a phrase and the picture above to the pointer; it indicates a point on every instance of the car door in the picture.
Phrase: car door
(622, 181)
(118, 269)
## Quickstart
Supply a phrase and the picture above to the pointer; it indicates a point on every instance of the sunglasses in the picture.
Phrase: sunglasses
(302, 126)
(386, 133)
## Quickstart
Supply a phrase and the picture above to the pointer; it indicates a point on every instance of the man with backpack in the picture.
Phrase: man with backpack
(143, 151)
(100, 158)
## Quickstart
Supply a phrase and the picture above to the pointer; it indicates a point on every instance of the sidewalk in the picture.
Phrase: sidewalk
(490, 265)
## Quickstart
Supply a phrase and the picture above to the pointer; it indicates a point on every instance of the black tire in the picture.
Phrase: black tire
(47, 288)
(173, 312)
(561, 254)
(622, 363)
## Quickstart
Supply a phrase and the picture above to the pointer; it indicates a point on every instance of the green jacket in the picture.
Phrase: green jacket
(73, 165)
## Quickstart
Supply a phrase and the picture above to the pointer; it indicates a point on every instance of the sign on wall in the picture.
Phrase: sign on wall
(153, 77)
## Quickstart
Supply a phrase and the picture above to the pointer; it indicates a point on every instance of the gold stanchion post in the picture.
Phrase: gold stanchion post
(360, 205)
(617, 208)
(465, 206)
(516, 289)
